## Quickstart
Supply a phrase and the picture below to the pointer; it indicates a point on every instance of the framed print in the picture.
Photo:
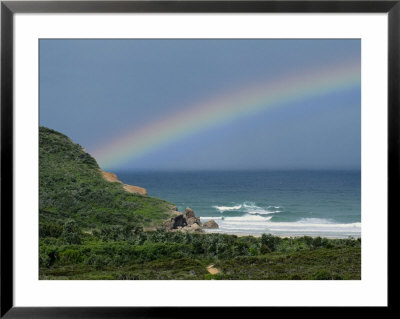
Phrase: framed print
(167, 154)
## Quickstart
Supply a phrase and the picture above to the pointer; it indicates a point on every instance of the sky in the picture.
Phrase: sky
(206, 104)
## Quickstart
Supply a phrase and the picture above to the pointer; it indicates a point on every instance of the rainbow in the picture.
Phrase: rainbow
(227, 107)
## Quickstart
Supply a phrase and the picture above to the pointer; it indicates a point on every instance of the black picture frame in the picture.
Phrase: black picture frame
(9, 8)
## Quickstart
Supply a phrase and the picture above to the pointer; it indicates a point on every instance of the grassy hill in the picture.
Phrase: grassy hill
(90, 228)
(72, 187)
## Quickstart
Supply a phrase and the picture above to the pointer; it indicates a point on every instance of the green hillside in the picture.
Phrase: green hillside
(72, 187)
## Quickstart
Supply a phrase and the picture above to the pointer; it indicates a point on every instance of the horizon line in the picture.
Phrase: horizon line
(122, 170)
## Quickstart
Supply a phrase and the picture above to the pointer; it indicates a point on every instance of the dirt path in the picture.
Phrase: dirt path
(212, 270)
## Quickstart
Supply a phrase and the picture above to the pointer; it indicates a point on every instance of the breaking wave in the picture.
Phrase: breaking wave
(257, 225)
(222, 209)
(249, 208)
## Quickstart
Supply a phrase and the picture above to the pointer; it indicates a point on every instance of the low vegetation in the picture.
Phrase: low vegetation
(130, 253)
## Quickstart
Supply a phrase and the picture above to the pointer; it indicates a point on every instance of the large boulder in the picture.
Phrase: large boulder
(195, 228)
(179, 221)
(193, 220)
(175, 222)
(169, 224)
(211, 224)
(189, 213)
(184, 222)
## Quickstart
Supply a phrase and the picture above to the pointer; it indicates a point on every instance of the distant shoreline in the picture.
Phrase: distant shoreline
(213, 231)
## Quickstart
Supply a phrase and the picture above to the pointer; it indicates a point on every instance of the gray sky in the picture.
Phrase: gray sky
(96, 90)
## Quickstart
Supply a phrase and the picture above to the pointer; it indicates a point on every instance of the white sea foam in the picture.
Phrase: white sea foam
(237, 219)
(260, 211)
(257, 220)
(315, 221)
(253, 209)
(222, 209)
(258, 224)
(249, 208)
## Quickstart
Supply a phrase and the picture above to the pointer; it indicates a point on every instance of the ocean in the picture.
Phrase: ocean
(284, 203)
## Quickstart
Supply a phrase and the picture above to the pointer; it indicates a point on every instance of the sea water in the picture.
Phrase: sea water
(284, 203)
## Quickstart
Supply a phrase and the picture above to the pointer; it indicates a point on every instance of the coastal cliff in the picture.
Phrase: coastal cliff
(73, 187)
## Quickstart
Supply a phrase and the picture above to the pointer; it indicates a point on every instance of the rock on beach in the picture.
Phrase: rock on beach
(187, 221)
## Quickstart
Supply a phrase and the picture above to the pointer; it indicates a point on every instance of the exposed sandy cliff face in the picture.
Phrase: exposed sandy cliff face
(135, 189)
(111, 177)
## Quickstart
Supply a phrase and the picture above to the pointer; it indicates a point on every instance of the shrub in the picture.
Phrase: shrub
(71, 256)
(48, 255)
(253, 251)
(240, 249)
(223, 250)
(71, 233)
(197, 247)
(265, 249)
(188, 238)
(322, 275)
(44, 260)
(50, 230)
(317, 242)
(269, 242)
(308, 241)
